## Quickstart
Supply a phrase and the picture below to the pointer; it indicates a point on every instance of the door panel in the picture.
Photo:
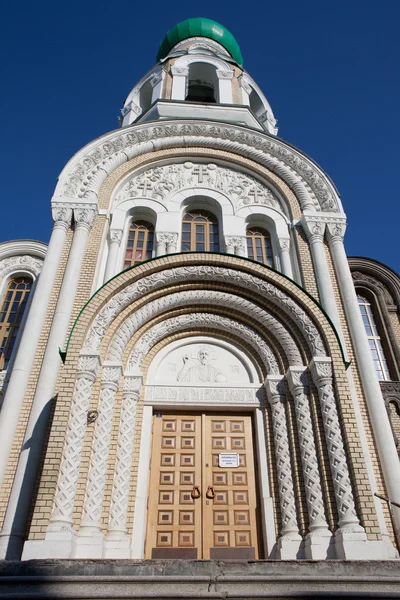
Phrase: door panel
(229, 521)
(174, 516)
(185, 454)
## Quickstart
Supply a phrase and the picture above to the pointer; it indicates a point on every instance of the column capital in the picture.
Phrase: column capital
(314, 226)
(297, 377)
(88, 365)
(111, 375)
(275, 387)
(179, 71)
(84, 216)
(62, 217)
(284, 244)
(132, 384)
(245, 84)
(237, 241)
(335, 231)
(224, 74)
(321, 370)
(116, 236)
(167, 237)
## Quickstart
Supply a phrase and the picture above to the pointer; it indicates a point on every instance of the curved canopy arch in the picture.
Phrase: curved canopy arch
(282, 341)
(89, 168)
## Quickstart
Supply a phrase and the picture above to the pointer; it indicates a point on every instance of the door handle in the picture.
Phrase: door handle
(196, 493)
(210, 492)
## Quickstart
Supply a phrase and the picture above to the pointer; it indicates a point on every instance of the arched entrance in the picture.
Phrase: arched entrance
(204, 496)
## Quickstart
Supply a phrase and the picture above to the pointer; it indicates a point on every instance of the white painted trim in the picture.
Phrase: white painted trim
(140, 515)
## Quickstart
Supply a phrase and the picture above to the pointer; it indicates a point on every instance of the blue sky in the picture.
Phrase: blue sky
(330, 69)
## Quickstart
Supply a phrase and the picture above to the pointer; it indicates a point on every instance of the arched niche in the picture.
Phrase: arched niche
(180, 363)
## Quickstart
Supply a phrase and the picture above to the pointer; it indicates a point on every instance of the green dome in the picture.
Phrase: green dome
(200, 28)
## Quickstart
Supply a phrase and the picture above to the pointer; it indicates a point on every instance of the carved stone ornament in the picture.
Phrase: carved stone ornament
(335, 232)
(84, 217)
(160, 183)
(237, 242)
(123, 463)
(276, 392)
(116, 236)
(321, 370)
(203, 273)
(164, 237)
(179, 71)
(25, 262)
(84, 175)
(74, 440)
(202, 297)
(62, 217)
(209, 320)
(299, 388)
(224, 74)
(100, 447)
(192, 395)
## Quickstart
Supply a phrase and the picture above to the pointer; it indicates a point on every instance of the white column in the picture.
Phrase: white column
(350, 536)
(115, 241)
(319, 538)
(12, 535)
(15, 393)
(225, 86)
(290, 540)
(89, 542)
(117, 543)
(179, 76)
(380, 422)
(315, 228)
(284, 255)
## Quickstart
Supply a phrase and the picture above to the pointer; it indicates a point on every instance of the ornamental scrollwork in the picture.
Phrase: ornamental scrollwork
(174, 324)
(159, 183)
(203, 273)
(202, 297)
(80, 179)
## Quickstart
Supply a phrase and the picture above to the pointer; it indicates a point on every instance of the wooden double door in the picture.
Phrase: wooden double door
(202, 495)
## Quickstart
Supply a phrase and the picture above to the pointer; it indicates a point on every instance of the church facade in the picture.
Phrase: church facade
(200, 372)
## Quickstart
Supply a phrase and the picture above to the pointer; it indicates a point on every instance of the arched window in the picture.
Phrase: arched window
(374, 339)
(12, 310)
(200, 232)
(202, 83)
(259, 245)
(140, 243)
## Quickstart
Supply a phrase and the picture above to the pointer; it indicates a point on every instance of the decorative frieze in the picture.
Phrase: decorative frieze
(208, 320)
(204, 273)
(160, 183)
(202, 297)
(196, 395)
